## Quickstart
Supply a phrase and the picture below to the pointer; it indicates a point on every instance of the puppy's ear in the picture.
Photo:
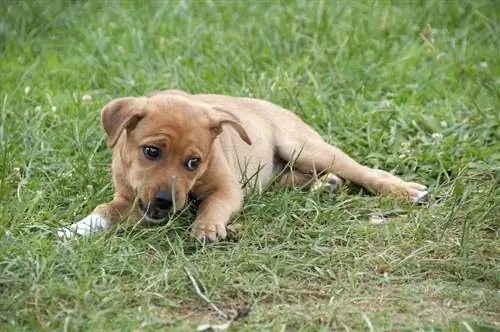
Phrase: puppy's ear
(121, 114)
(222, 117)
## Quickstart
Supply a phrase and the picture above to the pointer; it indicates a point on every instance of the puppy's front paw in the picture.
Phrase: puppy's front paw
(88, 225)
(209, 230)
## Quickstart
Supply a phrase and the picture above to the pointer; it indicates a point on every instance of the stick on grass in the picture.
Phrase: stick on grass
(203, 296)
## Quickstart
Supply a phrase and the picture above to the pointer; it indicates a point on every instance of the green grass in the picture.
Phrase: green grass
(412, 87)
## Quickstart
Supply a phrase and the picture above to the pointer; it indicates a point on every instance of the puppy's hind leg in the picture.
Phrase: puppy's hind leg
(311, 154)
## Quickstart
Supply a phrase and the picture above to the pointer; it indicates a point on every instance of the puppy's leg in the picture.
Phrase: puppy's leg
(296, 179)
(103, 217)
(311, 155)
(215, 210)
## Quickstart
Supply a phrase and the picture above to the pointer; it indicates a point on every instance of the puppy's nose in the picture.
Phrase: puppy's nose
(163, 200)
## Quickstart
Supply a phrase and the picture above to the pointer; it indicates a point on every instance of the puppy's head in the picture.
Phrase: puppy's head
(164, 146)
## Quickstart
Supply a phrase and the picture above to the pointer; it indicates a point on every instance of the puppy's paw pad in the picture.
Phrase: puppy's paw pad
(329, 183)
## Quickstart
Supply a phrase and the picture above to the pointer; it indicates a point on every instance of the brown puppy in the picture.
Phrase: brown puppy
(171, 144)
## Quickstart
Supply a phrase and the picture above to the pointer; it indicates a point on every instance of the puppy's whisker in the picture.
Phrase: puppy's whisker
(173, 191)
(135, 205)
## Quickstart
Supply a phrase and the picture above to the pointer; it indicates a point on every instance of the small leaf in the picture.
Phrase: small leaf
(458, 189)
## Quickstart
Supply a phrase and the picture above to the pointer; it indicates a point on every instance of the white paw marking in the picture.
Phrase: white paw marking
(88, 225)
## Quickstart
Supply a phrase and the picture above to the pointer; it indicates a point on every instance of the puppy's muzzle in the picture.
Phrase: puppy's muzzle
(159, 208)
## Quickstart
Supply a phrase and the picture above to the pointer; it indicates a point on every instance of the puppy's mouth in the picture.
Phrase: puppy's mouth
(153, 214)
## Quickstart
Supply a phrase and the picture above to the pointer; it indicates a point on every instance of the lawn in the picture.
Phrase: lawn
(412, 87)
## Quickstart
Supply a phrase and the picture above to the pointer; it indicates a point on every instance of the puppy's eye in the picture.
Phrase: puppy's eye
(152, 152)
(192, 164)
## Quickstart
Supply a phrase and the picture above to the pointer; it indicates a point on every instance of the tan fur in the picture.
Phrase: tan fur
(238, 140)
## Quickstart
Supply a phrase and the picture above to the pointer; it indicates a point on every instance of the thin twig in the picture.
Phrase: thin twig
(203, 296)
